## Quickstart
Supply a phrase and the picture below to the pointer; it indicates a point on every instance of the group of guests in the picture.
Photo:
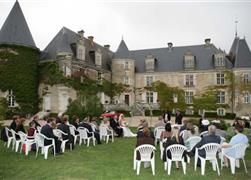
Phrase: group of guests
(176, 136)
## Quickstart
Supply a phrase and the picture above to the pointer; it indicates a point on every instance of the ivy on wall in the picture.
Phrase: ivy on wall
(19, 72)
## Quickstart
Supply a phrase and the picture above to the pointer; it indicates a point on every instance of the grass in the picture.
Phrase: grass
(106, 161)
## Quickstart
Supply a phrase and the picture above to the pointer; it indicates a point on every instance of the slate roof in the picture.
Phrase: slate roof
(240, 53)
(64, 42)
(15, 29)
(122, 51)
(170, 60)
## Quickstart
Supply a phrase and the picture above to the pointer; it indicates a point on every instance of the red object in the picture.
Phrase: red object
(110, 115)
(23, 148)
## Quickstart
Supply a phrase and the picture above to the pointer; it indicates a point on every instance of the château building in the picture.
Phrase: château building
(192, 68)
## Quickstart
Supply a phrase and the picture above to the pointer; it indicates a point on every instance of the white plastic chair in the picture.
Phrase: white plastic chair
(38, 129)
(182, 133)
(72, 131)
(39, 138)
(204, 133)
(93, 127)
(147, 154)
(59, 134)
(16, 141)
(234, 154)
(177, 152)
(27, 141)
(190, 143)
(157, 133)
(10, 138)
(105, 133)
(211, 150)
(84, 136)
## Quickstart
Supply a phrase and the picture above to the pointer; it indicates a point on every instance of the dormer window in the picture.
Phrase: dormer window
(80, 52)
(219, 61)
(189, 61)
(98, 58)
(150, 63)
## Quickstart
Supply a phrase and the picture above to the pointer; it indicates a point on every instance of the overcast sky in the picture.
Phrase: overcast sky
(143, 24)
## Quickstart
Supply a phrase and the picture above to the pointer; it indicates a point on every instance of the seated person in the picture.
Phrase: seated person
(140, 130)
(66, 129)
(14, 122)
(238, 138)
(184, 126)
(115, 126)
(20, 127)
(31, 133)
(145, 139)
(160, 122)
(190, 131)
(47, 130)
(169, 139)
(75, 123)
(35, 121)
(31, 130)
(211, 138)
(204, 125)
(89, 128)
(106, 123)
(93, 121)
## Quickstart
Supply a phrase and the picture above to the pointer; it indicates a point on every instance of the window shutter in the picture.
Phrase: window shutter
(155, 97)
(143, 97)
(184, 81)
(194, 80)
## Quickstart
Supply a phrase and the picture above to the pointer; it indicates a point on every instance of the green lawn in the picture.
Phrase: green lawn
(106, 161)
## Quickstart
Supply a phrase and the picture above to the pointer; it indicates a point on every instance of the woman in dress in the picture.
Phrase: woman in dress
(123, 124)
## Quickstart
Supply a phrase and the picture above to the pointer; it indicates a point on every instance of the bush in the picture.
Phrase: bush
(214, 115)
(154, 112)
(3, 108)
(126, 113)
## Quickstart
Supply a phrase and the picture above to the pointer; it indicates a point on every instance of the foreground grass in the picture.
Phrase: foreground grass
(106, 161)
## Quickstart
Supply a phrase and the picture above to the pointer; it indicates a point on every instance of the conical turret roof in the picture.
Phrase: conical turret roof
(122, 51)
(15, 29)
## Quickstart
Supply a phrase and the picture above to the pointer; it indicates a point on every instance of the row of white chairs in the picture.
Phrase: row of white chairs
(147, 154)
(39, 138)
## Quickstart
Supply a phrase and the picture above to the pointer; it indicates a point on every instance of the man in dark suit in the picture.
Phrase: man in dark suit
(115, 126)
(48, 132)
(178, 117)
(167, 116)
(211, 138)
(89, 128)
(66, 129)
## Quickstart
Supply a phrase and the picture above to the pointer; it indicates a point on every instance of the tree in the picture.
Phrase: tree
(112, 89)
(167, 95)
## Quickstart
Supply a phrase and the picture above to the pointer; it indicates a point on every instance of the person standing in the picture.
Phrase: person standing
(178, 117)
(167, 116)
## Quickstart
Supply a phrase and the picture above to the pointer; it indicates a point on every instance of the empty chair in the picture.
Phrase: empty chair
(73, 132)
(157, 133)
(59, 134)
(84, 136)
(234, 154)
(25, 141)
(177, 153)
(39, 139)
(211, 150)
(105, 133)
(147, 154)
(9, 138)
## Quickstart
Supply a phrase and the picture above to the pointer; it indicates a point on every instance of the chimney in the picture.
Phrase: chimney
(207, 41)
(91, 38)
(81, 34)
(170, 45)
(107, 46)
